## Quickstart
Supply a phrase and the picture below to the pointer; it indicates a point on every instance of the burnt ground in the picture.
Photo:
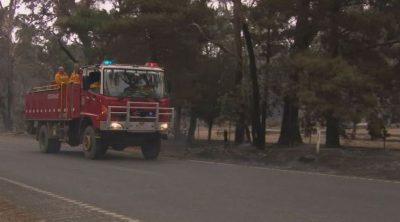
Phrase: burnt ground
(349, 160)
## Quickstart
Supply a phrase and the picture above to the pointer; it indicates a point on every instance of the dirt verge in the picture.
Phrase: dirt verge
(11, 213)
(361, 162)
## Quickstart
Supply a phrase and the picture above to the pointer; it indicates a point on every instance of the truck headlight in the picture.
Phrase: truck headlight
(163, 126)
(116, 126)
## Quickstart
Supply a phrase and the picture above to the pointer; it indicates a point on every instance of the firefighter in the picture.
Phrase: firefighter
(95, 85)
(61, 77)
(75, 77)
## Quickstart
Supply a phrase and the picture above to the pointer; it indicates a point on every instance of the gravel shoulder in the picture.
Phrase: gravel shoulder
(18, 204)
(9, 212)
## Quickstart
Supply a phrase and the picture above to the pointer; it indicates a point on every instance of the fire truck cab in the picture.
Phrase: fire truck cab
(115, 106)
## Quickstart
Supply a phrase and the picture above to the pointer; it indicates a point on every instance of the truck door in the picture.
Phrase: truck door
(89, 100)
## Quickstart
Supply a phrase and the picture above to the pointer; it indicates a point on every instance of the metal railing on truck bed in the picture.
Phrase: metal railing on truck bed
(44, 88)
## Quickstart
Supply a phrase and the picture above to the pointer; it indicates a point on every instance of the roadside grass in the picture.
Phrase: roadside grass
(359, 157)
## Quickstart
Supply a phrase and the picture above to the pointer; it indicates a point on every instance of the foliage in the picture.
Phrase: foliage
(327, 84)
(322, 58)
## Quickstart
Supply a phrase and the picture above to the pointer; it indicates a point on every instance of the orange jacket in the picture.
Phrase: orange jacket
(61, 78)
(75, 78)
(95, 85)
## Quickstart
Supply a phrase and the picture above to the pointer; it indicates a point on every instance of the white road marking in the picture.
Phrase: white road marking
(297, 171)
(71, 201)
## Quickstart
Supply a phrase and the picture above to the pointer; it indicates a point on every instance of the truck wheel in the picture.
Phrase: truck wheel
(47, 144)
(151, 148)
(93, 147)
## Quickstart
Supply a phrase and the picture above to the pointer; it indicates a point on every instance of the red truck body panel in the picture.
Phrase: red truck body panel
(56, 103)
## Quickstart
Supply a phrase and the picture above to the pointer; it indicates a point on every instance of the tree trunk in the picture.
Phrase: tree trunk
(9, 123)
(332, 130)
(253, 134)
(6, 31)
(240, 129)
(264, 103)
(210, 126)
(263, 124)
(258, 131)
(237, 29)
(332, 122)
(8, 102)
(290, 132)
(248, 136)
(177, 123)
(192, 127)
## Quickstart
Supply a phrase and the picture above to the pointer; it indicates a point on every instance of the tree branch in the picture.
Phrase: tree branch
(66, 51)
(222, 47)
(387, 43)
(64, 48)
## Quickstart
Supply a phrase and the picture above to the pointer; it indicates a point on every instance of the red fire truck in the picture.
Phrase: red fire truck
(115, 106)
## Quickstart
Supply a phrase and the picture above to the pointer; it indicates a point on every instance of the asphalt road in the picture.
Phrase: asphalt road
(171, 190)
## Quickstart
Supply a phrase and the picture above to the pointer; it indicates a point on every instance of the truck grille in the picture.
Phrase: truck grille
(143, 115)
(135, 114)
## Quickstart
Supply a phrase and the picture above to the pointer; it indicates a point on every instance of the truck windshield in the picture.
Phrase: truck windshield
(133, 83)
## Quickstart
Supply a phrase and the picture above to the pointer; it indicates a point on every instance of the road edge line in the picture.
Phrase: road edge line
(297, 171)
(71, 201)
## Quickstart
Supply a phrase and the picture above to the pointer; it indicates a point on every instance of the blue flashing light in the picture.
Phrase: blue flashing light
(107, 62)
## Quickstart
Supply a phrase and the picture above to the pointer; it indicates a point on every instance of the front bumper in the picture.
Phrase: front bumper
(134, 127)
(138, 117)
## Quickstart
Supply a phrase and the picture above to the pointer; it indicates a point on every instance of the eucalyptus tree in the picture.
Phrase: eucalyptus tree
(8, 20)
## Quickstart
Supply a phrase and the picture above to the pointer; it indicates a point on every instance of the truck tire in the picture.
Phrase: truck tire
(93, 148)
(46, 143)
(151, 148)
